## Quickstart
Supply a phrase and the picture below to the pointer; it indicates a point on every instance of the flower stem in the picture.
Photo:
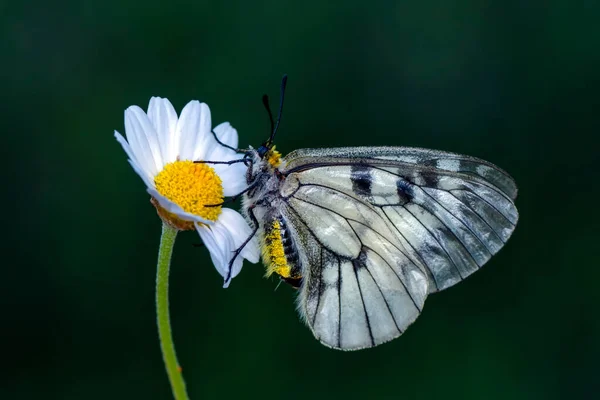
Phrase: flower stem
(167, 240)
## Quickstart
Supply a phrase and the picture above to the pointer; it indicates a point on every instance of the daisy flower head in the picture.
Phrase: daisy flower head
(162, 149)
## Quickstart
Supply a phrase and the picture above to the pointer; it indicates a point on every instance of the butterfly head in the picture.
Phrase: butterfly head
(272, 156)
(267, 150)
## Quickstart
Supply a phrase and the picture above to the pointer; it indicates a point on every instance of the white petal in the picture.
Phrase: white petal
(164, 118)
(187, 127)
(147, 180)
(208, 142)
(252, 250)
(141, 134)
(227, 134)
(233, 177)
(128, 151)
(141, 153)
(215, 250)
(193, 128)
(240, 231)
(220, 246)
(150, 134)
(228, 233)
(175, 208)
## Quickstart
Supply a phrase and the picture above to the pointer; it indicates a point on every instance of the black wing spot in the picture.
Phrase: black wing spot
(430, 180)
(404, 190)
(360, 262)
(361, 179)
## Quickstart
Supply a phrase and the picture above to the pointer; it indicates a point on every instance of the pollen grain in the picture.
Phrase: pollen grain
(274, 254)
(274, 157)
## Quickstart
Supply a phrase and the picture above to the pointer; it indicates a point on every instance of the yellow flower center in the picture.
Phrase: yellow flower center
(192, 186)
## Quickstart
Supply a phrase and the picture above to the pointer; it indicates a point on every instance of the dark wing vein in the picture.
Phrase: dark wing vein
(480, 181)
(290, 207)
(364, 246)
(387, 263)
(358, 200)
(452, 231)
(339, 290)
(479, 216)
(484, 200)
(436, 239)
(355, 267)
(353, 220)
(320, 288)
(398, 276)
(383, 296)
(412, 247)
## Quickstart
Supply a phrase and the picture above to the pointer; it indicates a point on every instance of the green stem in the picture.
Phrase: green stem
(167, 240)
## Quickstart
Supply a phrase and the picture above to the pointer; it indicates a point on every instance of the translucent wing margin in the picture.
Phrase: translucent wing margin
(382, 227)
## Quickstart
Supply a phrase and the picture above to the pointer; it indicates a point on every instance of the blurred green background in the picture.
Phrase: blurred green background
(514, 82)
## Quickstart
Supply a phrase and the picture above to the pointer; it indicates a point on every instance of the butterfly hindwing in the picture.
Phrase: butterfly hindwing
(360, 288)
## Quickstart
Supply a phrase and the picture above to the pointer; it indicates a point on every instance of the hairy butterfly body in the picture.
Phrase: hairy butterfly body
(367, 233)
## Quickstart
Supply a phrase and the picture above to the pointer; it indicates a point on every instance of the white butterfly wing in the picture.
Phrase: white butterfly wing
(382, 227)
(359, 289)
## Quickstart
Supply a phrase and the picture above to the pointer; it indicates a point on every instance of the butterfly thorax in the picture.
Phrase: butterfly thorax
(263, 178)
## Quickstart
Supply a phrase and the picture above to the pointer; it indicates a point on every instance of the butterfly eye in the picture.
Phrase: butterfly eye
(262, 150)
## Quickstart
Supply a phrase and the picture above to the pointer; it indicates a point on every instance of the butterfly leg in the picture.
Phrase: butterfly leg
(226, 145)
(237, 160)
(247, 160)
(237, 251)
(234, 197)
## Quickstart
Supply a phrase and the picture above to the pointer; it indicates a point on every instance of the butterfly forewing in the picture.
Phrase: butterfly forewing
(407, 157)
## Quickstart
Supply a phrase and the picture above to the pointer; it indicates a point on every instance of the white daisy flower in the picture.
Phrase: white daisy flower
(162, 149)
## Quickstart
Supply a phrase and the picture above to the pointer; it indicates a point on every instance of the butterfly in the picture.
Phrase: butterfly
(367, 233)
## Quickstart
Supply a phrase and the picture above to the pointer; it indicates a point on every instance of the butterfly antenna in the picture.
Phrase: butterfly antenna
(274, 131)
(265, 100)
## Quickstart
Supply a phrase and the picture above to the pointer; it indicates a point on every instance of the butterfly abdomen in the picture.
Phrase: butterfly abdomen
(279, 252)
